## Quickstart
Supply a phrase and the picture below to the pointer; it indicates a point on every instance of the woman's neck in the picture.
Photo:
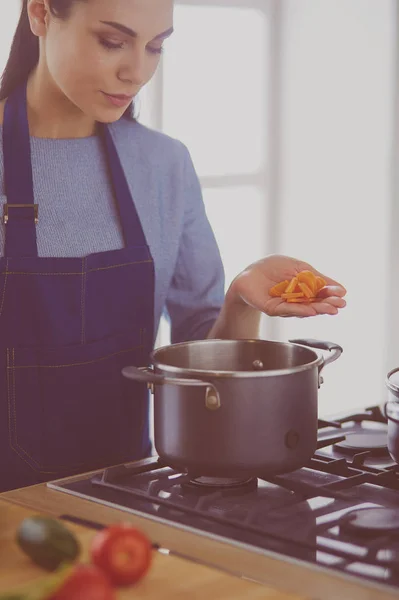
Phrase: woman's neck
(50, 113)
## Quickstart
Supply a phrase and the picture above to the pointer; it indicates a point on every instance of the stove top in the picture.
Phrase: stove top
(340, 512)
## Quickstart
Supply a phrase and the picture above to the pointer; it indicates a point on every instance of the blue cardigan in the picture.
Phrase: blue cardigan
(78, 216)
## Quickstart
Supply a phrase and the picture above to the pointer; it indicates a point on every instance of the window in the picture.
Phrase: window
(214, 101)
(211, 93)
(287, 109)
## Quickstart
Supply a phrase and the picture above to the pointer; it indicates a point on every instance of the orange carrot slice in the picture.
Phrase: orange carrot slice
(292, 285)
(278, 289)
(306, 290)
(302, 288)
(292, 295)
(309, 279)
(320, 283)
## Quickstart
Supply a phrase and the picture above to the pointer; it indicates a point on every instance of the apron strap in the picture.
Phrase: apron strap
(131, 226)
(20, 212)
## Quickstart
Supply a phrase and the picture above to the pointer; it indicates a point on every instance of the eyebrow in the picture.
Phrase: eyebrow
(133, 34)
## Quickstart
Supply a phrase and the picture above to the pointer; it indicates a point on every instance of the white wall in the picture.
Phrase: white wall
(9, 13)
(335, 186)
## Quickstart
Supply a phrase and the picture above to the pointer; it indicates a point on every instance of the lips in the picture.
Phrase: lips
(121, 96)
(118, 99)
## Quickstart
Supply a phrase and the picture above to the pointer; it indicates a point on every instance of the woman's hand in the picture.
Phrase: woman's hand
(249, 296)
(252, 286)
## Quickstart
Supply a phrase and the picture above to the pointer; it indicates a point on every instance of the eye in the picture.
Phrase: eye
(155, 50)
(111, 45)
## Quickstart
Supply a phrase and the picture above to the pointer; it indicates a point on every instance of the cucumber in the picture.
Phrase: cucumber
(47, 542)
(44, 588)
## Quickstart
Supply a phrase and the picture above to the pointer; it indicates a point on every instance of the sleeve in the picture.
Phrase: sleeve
(196, 293)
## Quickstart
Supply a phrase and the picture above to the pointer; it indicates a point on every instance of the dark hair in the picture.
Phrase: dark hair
(24, 53)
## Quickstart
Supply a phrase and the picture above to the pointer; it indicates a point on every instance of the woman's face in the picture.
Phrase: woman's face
(106, 51)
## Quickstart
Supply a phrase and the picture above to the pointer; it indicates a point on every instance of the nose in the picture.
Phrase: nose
(134, 68)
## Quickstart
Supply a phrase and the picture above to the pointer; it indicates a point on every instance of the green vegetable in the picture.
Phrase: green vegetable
(47, 542)
(42, 589)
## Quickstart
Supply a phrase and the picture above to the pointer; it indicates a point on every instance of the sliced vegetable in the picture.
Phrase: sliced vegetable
(123, 552)
(307, 291)
(47, 542)
(320, 283)
(86, 582)
(41, 589)
(279, 288)
(292, 285)
(292, 295)
(303, 288)
(308, 278)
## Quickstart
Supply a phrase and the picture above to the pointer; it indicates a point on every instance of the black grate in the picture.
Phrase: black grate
(297, 514)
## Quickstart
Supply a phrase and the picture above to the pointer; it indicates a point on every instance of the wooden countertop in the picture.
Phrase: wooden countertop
(170, 577)
(173, 576)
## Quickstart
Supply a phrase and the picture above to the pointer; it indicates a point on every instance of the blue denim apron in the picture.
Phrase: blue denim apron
(67, 328)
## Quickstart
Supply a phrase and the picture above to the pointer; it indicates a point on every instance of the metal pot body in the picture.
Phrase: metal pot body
(263, 426)
(236, 409)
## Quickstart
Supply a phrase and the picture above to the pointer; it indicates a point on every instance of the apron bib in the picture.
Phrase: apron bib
(67, 328)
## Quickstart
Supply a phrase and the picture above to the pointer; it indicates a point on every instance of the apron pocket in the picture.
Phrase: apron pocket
(70, 408)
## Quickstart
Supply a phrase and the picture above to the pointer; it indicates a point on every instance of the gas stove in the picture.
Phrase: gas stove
(339, 513)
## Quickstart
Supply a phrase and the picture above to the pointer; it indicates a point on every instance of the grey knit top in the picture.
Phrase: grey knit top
(78, 216)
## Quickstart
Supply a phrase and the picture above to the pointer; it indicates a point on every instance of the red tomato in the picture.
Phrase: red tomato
(86, 582)
(123, 552)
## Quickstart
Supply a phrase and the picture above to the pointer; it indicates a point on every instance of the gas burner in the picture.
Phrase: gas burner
(371, 521)
(374, 442)
(208, 485)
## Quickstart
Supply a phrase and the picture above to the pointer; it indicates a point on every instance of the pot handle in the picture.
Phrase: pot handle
(147, 375)
(335, 350)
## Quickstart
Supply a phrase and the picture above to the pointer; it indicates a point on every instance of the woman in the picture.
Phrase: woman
(104, 228)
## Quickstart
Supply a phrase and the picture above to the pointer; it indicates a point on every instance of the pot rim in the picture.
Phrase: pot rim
(203, 373)
(391, 386)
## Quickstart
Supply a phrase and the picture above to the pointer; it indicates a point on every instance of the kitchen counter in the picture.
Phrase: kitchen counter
(170, 577)
(189, 568)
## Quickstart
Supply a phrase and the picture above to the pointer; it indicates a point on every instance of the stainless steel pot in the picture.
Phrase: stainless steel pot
(236, 408)
(391, 412)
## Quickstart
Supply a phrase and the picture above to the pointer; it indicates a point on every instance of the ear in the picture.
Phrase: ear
(38, 13)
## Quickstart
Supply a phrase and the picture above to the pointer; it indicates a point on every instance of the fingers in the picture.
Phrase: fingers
(329, 306)
(340, 291)
(294, 310)
(331, 283)
(332, 290)
(279, 308)
(325, 308)
(333, 301)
